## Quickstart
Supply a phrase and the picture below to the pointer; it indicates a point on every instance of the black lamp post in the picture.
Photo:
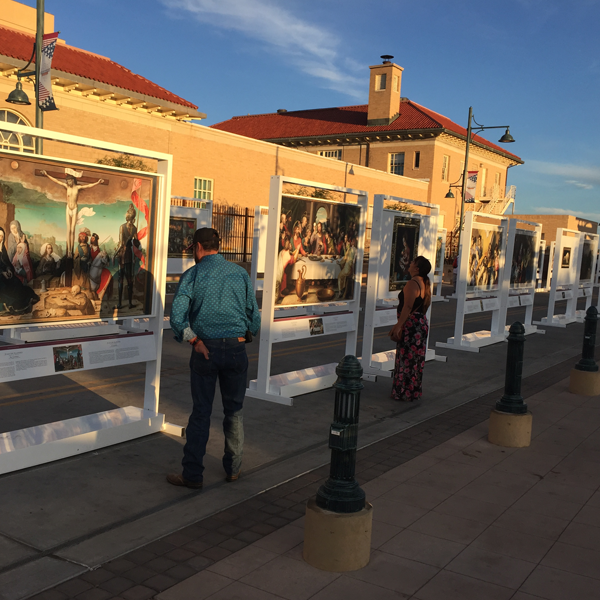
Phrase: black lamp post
(18, 96)
(505, 139)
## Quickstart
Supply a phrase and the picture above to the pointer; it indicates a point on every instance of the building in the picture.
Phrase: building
(395, 135)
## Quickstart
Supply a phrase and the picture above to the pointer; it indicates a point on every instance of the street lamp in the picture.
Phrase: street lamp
(18, 96)
(507, 138)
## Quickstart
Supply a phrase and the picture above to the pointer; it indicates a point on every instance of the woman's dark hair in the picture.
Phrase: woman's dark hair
(424, 267)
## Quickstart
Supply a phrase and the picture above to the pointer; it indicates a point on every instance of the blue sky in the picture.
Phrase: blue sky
(530, 64)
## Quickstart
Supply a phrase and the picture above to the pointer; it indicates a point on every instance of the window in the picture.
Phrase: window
(497, 178)
(445, 165)
(483, 182)
(380, 81)
(203, 188)
(331, 154)
(396, 83)
(417, 163)
(15, 141)
(397, 163)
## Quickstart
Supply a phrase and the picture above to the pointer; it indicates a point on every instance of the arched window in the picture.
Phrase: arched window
(15, 141)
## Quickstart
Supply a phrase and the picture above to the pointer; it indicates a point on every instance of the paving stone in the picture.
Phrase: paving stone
(138, 592)
(249, 536)
(179, 555)
(53, 594)
(199, 563)
(139, 574)
(181, 572)
(117, 585)
(120, 565)
(73, 587)
(141, 556)
(94, 594)
(233, 545)
(216, 553)
(160, 564)
(160, 582)
(97, 576)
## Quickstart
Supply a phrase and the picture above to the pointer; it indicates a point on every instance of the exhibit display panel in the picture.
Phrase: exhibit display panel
(566, 265)
(259, 247)
(438, 274)
(540, 282)
(83, 250)
(523, 251)
(312, 275)
(397, 238)
(587, 272)
(482, 280)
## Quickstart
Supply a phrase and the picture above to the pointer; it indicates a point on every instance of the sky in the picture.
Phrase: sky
(530, 64)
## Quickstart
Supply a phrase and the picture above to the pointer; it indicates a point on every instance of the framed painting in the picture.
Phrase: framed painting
(485, 254)
(316, 251)
(77, 242)
(587, 261)
(181, 237)
(522, 272)
(565, 261)
(404, 249)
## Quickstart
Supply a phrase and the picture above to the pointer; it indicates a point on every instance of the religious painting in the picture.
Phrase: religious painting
(439, 259)
(485, 254)
(181, 237)
(316, 326)
(404, 249)
(317, 249)
(522, 272)
(587, 261)
(565, 261)
(76, 242)
(67, 358)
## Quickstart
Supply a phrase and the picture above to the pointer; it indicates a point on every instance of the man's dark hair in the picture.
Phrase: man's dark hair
(208, 238)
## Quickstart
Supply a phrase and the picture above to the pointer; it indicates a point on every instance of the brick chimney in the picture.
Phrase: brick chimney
(384, 92)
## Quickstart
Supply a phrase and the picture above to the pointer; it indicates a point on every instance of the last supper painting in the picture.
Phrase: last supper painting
(76, 241)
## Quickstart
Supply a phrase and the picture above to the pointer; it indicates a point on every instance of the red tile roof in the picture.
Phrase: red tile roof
(345, 120)
(19, 45)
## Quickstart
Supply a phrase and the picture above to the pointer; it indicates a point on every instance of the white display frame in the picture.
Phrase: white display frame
(32, 345)
(478, 301)
(259, 247)
(539, 284)
(586, 286)
(438, 279)
(279, 324)
(380, 307)
(521, 296)
(564, 285)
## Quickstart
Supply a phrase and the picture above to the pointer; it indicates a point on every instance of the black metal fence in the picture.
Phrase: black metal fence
(235, 225)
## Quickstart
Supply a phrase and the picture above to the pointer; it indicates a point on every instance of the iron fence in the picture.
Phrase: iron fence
(235, 225)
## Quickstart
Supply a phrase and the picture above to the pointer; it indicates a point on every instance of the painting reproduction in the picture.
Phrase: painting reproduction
(404, 249)
(439, 260)
(566, 258)
(317, 249)
(587, 261)
(181, 236)
(68, 358)
(76, 242)
(522, 273)
(485, 254)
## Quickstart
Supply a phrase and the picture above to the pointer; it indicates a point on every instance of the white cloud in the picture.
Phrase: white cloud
(84, 212)
(311, 48)
(585, 186)
(576, 173)
(551, 210)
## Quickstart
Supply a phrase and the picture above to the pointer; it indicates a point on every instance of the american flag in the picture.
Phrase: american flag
(45, 97)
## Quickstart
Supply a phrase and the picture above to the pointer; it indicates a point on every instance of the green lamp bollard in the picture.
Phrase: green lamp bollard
(341, 492)
(512, 401)
(587, 362)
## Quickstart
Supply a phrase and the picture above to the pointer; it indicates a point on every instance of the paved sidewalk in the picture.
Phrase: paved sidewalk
(464, 520)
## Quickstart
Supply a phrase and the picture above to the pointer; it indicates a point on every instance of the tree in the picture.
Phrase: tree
(125, 161)
(401, 207)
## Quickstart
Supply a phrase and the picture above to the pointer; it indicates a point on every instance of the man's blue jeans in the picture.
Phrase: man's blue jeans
(227, 361)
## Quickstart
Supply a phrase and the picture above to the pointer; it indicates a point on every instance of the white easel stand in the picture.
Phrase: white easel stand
(437, 283)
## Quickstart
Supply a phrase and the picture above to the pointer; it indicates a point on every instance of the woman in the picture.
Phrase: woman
(410, 332)
(15, 297)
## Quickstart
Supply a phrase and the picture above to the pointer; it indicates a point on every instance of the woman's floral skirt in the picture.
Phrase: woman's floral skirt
(410, 359)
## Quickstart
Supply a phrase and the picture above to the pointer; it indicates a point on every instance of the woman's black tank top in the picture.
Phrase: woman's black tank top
(417, 306)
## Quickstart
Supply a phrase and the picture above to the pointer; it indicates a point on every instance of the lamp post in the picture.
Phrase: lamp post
(505, 139)
(18, 96)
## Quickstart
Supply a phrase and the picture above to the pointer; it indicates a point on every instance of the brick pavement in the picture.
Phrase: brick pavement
(162, 564)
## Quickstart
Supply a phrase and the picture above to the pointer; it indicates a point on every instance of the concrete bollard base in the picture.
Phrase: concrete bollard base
(509, 430)
(337, 542)
(584, 383)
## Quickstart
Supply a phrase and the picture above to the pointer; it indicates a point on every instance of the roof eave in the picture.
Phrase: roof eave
(507, 155)
(357, 137)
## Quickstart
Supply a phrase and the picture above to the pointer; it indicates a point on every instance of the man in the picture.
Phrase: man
(213, 308)
(83, 259)
(347, 264)
(94, 248)
(73, 188)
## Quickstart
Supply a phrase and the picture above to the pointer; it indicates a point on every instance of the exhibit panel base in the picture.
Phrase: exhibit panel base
(24, 448)
(471, 342)
(556, 321)
(282, 388)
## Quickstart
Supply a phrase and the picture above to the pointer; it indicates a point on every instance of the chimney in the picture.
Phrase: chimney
(384, 92)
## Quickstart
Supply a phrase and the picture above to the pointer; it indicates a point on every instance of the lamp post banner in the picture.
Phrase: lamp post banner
(45, 97)
(471, 183)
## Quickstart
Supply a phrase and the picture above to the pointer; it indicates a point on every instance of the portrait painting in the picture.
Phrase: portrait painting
(317, 250)
(565, 261)
(316, 326)
(404, 249)
(181, 237)
(485, 255)
(67, 358)
(587, 261)
(522, 272)
(76, 242)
